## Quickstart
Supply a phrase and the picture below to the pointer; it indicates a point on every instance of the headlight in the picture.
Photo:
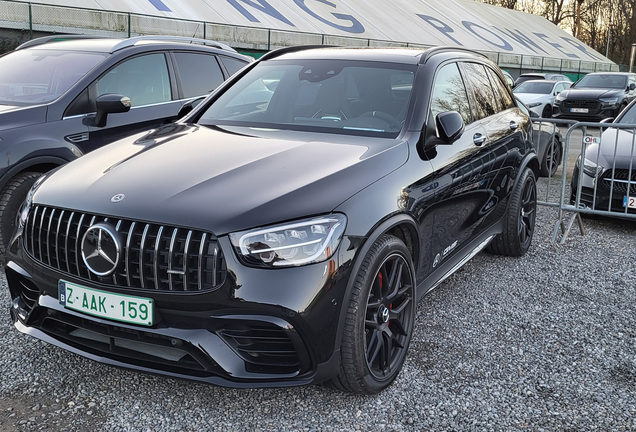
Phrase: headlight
(296, 243)
(609, 101)
(26, 205)
(590, 168)
(534, 104)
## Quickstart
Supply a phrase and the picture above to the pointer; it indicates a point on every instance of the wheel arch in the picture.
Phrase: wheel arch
(531, 161)
(402, 226)
(41, 164)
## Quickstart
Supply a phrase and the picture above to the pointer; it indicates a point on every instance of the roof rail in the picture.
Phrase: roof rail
(435, 50)
(56, 38)
(286, 50)
(133, 40)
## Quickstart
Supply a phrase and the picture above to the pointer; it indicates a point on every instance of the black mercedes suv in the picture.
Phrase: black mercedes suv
(282, 232)
(56, 94)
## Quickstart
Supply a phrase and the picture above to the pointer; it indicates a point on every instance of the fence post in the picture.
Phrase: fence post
(30, 22)
(204, 26)
(129, 24)
(269, 39)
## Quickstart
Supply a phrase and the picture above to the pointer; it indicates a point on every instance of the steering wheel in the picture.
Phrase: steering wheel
(392, 121)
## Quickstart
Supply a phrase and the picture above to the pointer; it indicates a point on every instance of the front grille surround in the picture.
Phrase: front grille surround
(621, 179)
(593, 106)
(153, 256)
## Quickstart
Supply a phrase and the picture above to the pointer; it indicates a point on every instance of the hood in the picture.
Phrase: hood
(221, 180)
(609, 144)
(528, 98)
(19, 116)
(574, 93)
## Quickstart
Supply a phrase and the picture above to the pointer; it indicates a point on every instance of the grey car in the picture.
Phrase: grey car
(63, 96)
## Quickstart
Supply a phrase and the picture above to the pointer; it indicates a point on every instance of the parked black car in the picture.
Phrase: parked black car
(56, 93)
(595, 97)
(283, 241)
(609, 168)
(547, 140)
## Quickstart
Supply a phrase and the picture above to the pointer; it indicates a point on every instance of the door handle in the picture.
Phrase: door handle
(479, 139)
(513, 125)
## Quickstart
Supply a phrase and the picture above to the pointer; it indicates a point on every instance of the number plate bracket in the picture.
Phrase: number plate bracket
(104, 304)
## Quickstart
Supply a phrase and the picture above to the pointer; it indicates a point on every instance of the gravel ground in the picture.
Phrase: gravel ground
(541, 343)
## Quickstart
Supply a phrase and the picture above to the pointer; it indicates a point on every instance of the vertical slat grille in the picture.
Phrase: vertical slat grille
(153, 256)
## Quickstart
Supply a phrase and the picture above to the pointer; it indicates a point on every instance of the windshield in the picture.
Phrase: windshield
(535, 87)
(351, 97)
(629, 117)
(603, 81)
(38, 76)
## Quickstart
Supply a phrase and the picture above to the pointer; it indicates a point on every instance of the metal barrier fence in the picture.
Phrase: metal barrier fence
(598, 171)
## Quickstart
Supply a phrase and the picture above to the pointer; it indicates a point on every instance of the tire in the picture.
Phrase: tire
(547, 111)
(553, 154)
(519, 219)
(379, 320)
(11, 198)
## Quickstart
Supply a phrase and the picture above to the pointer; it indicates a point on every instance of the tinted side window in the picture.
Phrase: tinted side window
(200, 73)
(501, 91)
(143, 79)
(484, 100)
(449, 93)
(232, 65)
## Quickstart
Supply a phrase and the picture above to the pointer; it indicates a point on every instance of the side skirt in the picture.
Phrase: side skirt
(457, 261)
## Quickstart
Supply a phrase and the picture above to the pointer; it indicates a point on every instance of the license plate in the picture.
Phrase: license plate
(579, 110)
(125, 308)
(629, 202)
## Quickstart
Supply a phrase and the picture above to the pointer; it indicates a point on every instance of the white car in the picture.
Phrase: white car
(538, 95)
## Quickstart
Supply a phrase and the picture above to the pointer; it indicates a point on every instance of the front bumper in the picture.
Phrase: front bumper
(601, 199)
(595, 115)
(261, 328)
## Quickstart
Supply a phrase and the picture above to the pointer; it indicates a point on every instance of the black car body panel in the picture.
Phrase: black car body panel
(229, 164)
(185, 199)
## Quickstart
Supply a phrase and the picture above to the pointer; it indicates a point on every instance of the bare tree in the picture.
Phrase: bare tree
(601, 21)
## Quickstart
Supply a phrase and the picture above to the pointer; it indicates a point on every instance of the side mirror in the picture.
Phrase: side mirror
(533, 114)
(608, 120)
(632, 86)
(110, 104)
(450, 126)
(187, 107)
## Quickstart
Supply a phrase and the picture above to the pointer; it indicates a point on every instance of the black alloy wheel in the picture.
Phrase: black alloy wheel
(547, 111)
(380, 319)
(528, 212)
(519, 219)
(388, 316)
(552, 158)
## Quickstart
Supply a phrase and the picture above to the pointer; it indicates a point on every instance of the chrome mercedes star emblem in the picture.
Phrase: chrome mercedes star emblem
(101, 249)
(117, 198)
(383, 314)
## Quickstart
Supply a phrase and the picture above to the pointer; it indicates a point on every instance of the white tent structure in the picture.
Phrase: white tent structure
(513, 39)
